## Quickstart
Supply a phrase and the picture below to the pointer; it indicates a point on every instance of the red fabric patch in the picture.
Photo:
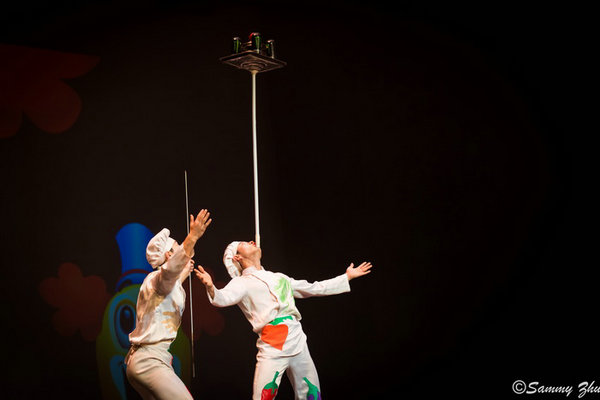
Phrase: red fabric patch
(274, 335)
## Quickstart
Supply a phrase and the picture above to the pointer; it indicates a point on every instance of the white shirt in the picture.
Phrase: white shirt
(161, 302)
(267, 298)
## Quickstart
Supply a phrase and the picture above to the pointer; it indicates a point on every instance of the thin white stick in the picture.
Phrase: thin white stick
(187, 213)
(254, 153)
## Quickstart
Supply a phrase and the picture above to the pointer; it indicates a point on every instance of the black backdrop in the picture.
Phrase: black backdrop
(433, 140)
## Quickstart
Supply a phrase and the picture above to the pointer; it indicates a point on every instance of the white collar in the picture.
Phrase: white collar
(251, 270)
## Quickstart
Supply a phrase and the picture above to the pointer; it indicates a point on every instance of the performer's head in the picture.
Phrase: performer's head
(241, 255)
(169, 253)
(160, 248)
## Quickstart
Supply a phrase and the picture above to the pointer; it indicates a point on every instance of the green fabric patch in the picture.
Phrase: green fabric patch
(313, 391)
(278, 320)
(283, 289)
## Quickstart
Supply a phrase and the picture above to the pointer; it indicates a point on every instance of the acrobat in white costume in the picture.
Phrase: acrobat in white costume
(267, 300)
(160, 305)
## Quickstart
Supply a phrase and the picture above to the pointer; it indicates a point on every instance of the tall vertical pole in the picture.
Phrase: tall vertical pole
(254, 152)
(187, 213)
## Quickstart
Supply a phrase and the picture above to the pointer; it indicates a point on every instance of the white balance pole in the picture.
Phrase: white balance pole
(187, 212)
(254, 152)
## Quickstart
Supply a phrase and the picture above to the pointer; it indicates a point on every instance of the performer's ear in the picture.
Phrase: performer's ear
(237, 258)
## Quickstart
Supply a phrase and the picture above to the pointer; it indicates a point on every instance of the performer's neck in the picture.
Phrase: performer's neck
(252, 262)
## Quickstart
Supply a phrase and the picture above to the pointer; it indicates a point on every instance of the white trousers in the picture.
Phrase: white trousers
(300, 370)
(151, 374)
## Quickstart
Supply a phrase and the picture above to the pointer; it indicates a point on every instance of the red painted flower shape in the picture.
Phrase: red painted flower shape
(31, 83)
(80, 301)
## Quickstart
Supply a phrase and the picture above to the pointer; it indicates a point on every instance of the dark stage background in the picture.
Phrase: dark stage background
(432, 139)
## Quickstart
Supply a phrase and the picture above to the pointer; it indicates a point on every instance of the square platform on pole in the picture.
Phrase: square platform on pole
(252, 61)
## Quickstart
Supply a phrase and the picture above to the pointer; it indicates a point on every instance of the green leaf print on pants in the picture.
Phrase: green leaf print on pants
(270, 390)
(313, 391)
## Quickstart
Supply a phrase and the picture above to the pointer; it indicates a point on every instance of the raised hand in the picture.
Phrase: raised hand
(361, 270)
(199, 224)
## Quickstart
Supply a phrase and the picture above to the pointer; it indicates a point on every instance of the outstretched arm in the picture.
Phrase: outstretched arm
(177, 264)
(337, 285)
(231, 294)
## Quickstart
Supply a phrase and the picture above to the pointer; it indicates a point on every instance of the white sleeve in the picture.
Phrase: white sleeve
(336, 285)
(230, 295)
(169, 272)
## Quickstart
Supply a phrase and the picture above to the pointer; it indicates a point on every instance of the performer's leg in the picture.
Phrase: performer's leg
(150, 373)
(303, 376)
(267, 377)
(133, 371)
(138, 386)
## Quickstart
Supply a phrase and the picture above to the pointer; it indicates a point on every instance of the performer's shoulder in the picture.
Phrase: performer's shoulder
(282, 275)
(237, 280)
(149, 280)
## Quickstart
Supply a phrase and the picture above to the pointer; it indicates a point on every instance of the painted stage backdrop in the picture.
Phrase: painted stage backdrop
(432, 139)
(84, 305)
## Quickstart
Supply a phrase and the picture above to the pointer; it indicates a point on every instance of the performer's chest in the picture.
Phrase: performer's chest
(269, 291)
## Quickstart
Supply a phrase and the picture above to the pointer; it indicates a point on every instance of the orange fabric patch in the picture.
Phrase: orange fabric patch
(274, 335)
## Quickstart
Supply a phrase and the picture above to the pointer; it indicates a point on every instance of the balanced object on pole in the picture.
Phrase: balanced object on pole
(253, 55)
